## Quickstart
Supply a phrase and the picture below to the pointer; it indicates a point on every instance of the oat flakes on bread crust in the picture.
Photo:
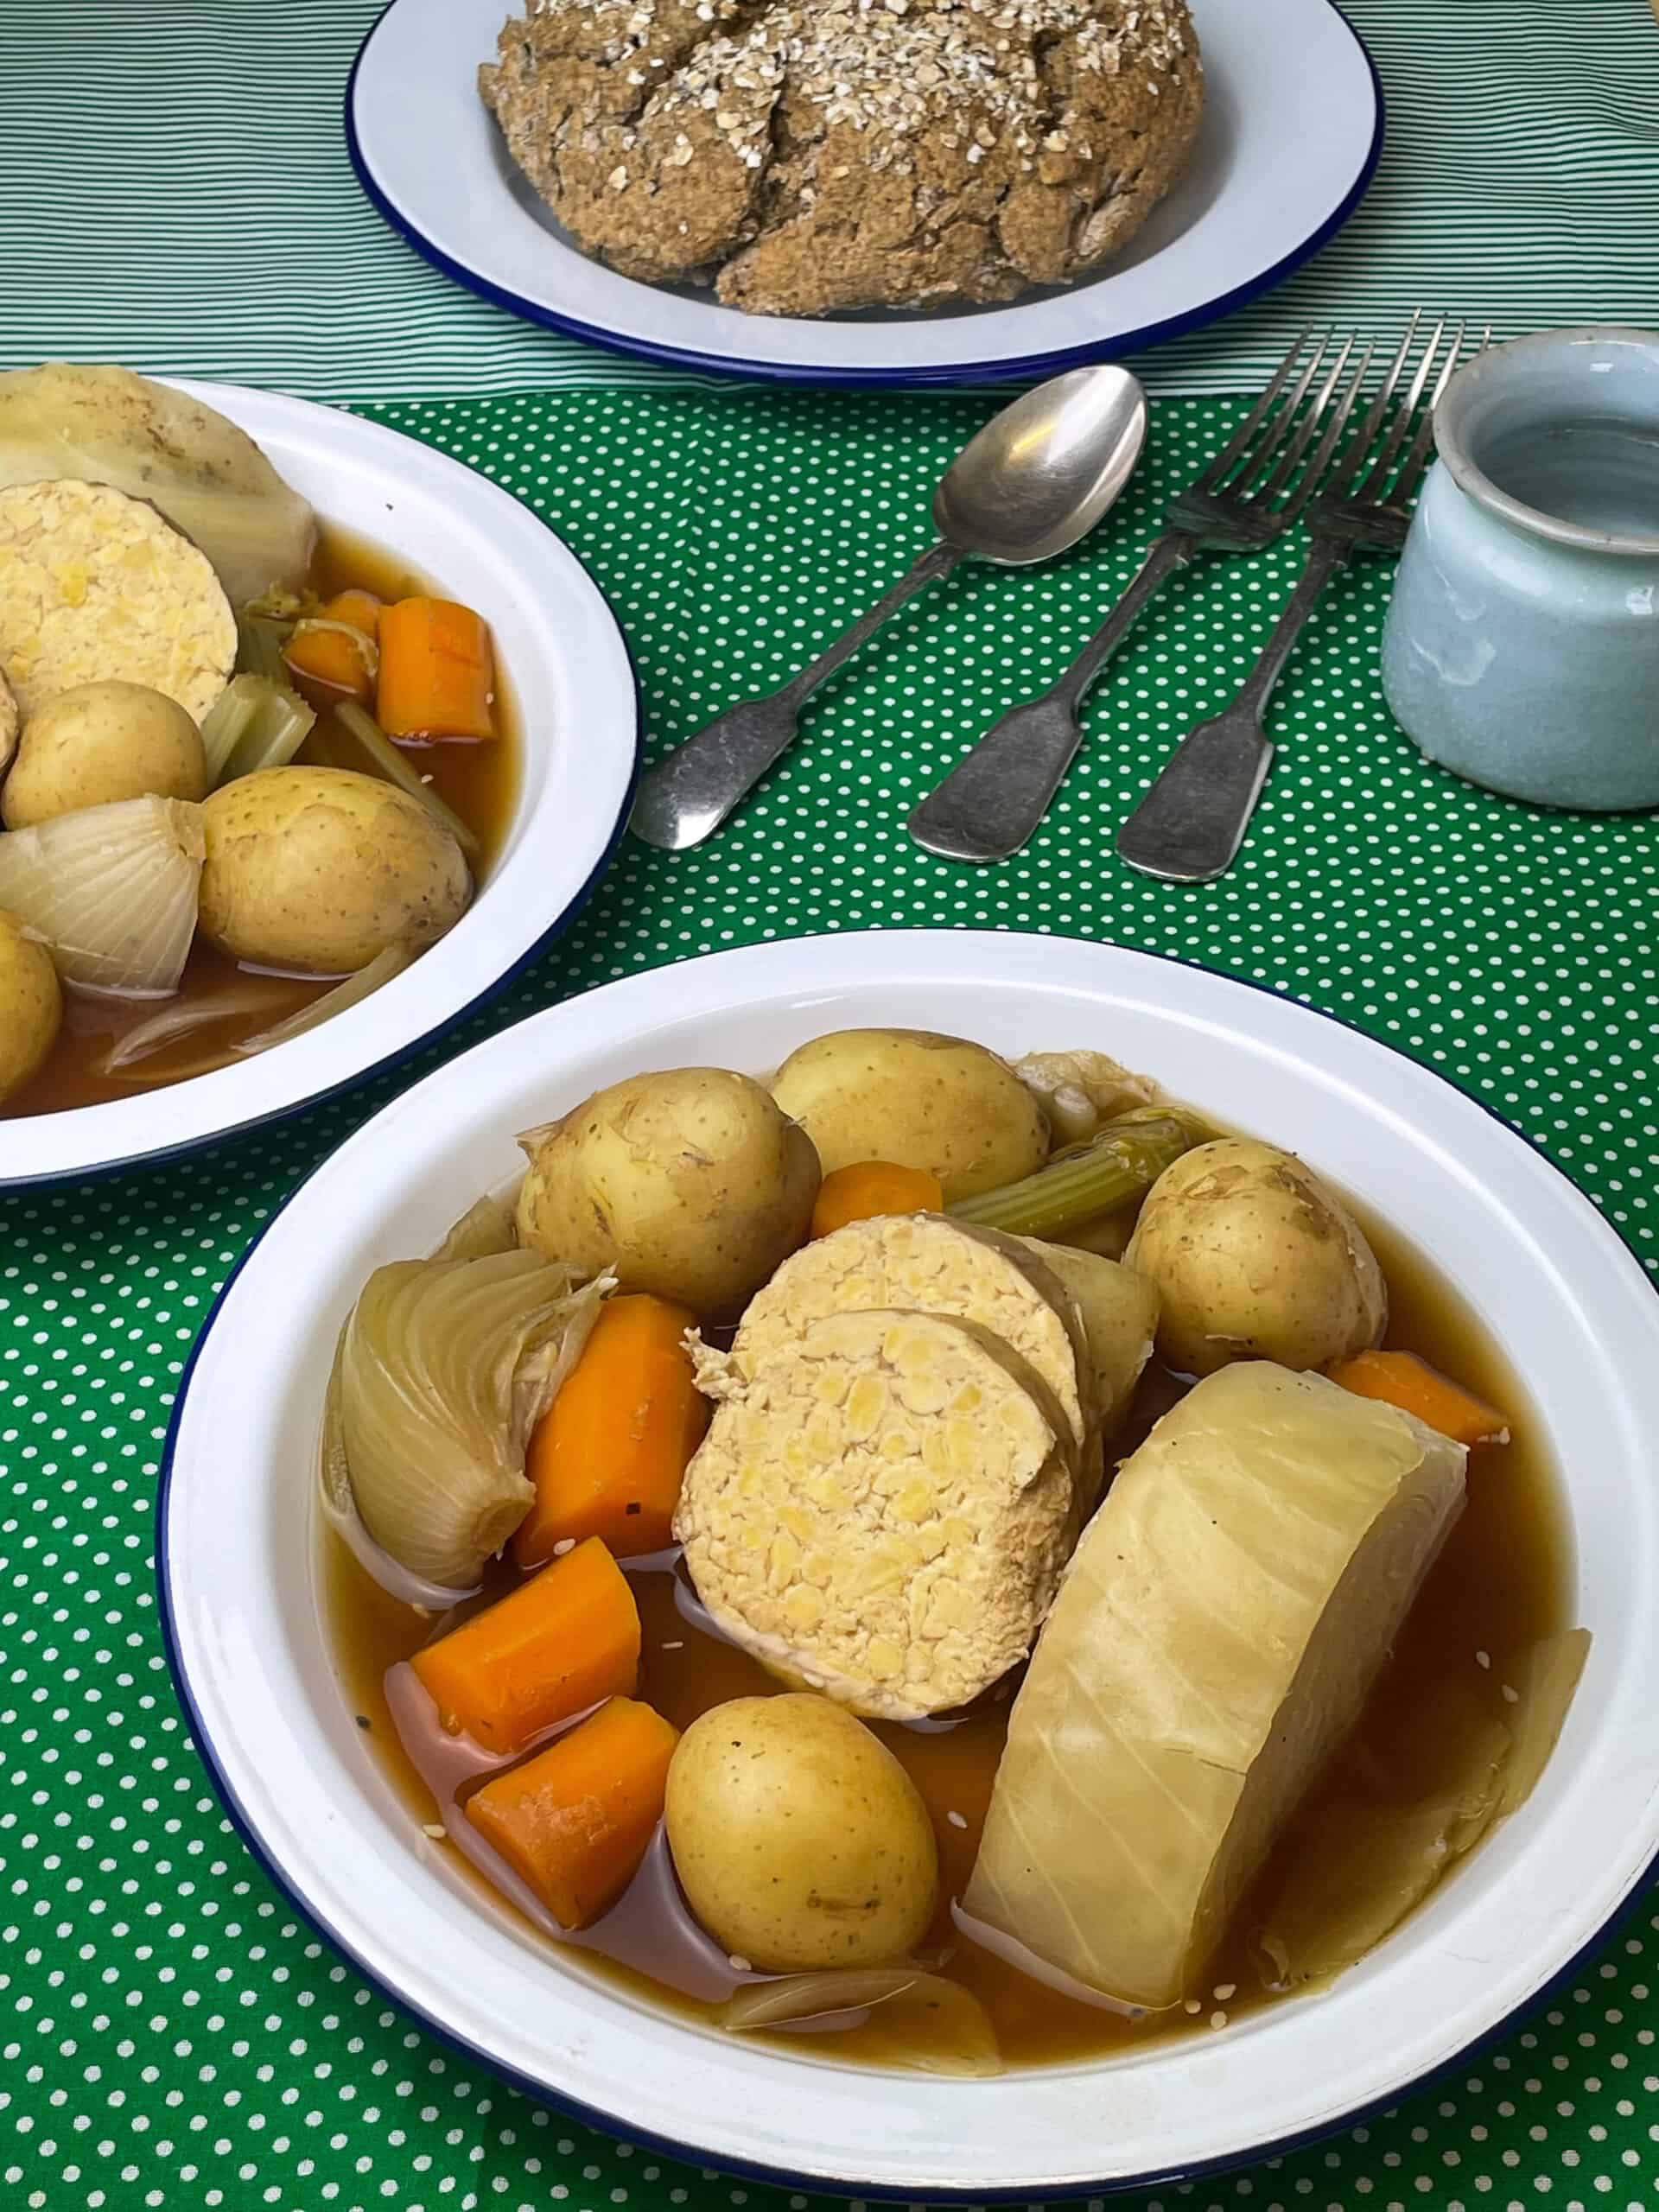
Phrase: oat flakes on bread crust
(95, 584)
(808, 155)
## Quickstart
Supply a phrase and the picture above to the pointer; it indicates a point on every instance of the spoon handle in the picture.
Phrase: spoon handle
(993, 800)
(690, 792)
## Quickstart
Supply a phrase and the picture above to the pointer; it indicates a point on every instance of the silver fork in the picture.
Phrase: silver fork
(992, 802)
(1192, 823)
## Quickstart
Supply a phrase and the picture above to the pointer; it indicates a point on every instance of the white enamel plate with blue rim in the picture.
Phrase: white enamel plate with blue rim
(1292, 133)
(238, 1561)
(561, 655)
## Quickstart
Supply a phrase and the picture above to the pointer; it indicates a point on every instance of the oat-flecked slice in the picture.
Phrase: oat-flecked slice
(94, 584)
(925, 1264)
(883, 1508)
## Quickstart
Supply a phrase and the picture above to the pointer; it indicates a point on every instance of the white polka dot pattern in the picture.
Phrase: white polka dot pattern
(173, 2034)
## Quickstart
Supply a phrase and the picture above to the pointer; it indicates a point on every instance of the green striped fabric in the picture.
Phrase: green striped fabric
(175, 193)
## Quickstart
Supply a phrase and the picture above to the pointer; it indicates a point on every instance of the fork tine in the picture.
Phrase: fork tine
(1310, 423)
(1252, 422)
(1353, 460)
(1277, 430)
(1411, 469)
(1376, 482)
(1328, 443)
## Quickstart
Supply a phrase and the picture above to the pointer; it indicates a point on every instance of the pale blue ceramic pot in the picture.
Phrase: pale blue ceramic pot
(1521, 649)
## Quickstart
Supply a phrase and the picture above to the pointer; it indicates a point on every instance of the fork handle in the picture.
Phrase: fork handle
(1192, 823)
(993, 800)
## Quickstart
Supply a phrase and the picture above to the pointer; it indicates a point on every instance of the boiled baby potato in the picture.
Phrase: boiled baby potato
(920, 1100)
(31, 1006)
(799, 1839)
(317, 871)
(690, 1183)
(100, 742)
(1254, 1258)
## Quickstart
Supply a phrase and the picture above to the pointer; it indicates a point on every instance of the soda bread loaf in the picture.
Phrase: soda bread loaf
(807, 155)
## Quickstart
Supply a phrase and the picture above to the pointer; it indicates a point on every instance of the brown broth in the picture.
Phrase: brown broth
(481, 782)
(1502, 1581)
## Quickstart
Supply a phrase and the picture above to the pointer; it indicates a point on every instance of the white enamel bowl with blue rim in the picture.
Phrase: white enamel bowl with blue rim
(1292, 134)
(562, 658)
(239, 1565)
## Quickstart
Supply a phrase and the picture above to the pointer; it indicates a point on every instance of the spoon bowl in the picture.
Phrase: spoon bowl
(1043, 471)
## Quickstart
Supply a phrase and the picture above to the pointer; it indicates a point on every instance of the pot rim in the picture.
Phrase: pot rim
(1472, 384)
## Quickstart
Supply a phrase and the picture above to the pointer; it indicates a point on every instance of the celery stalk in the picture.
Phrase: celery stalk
(386, 760)
(1115, 1167)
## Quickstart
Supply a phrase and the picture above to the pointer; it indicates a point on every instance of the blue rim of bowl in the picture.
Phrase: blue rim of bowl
(624, 2129)
(161, 1155)
(1015, 368)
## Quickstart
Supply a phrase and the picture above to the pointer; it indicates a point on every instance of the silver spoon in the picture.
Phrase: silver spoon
(1035, 480)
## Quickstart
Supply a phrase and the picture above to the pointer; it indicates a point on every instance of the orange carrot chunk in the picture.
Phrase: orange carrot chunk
(437, 673)
(574, 1822)
(559, 1644)
(1401, 1379)
(872, 1188)
(332, 659)
(608, 1456)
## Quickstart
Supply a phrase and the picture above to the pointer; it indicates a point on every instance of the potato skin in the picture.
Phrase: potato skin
(918, 1099)
(799, 1839)
(1254, 1258)
(97, 743)
(31, 1006)
(319, 870)
(690, 1183)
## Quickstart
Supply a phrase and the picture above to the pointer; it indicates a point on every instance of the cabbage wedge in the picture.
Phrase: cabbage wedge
(1218, 1629)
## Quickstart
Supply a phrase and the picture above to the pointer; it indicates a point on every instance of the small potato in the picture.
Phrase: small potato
(918, 1100)
(1254, 1258)
(318, 870)
(690, 1184)
(97, 743)
(31, 1006)
(799, 1839)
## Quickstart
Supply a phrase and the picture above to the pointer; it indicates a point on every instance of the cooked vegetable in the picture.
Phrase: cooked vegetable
(98, 743)
(207, 477)
(1224, 1616)
(383, 758)
(11, 723)
(573, 1822)
(1080, 1090)
(922, 2022)
(31, 1006)
(882, 1510)
(1400, 1378)
(339, 649)
(437, 673)
(610, 1452)
(690, 1184)
(799, 1839)
(355, 989)
(179, 1019)
(1255, 1258)
(94, 584)
(925, 1264)
(111, 890)
(1114, 1168)
(317, 871)
(562, 1642)
(267, 734)
(489, 1224)
(444, 1367)
(874, 1187)
(938, 1103)
(1119, 1319)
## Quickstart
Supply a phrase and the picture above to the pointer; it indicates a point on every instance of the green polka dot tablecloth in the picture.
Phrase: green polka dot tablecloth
(171, 2033)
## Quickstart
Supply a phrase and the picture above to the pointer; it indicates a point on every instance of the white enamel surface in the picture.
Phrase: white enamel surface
(1291, 121)
(1544, 1272)
(563, 659)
